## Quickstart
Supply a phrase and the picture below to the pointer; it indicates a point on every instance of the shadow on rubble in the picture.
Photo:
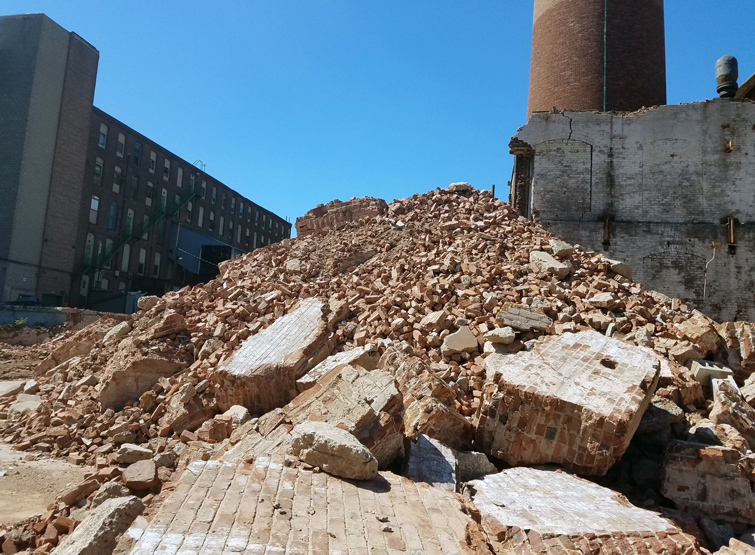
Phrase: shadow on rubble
(376, 485)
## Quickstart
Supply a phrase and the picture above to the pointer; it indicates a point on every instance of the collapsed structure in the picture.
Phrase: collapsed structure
(427, 339)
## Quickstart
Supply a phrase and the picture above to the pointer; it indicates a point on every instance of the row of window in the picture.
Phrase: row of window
(123, 262)
(133, 192)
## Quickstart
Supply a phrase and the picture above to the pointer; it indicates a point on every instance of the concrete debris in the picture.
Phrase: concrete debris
(526, 510)
(334, 450)
(98, 532)
(11, 387)
(359, 356)
(262, 374)
(708, 480)
(428, 460)
(730, 407)
(445, 315)
(575, 400)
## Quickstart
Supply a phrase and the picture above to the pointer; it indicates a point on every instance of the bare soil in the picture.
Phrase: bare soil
(29, 486)
(17, 362)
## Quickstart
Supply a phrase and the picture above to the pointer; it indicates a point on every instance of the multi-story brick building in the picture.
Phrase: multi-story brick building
(94, 210)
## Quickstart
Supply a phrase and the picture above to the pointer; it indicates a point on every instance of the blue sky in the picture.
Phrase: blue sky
(295, 103)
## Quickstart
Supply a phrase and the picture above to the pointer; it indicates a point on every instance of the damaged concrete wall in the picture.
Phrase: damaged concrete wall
(655, 189)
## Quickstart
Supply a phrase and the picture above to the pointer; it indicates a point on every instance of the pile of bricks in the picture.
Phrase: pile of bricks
(438, 286)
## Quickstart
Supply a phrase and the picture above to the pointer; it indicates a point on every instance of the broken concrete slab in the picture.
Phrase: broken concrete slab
(706, 479)
(359, 356)
(574, 400)
(334, 450)
(704, 370)
(560, 248)
(621, 268)
(252, 508)
(25, 403)
(543, 262)
(262, 374)
(523, 318)
(126, 378)
(461, 341)
(98, 532)
(367, 404)
(129, 453)
(141, 475)
(502, 336)
(11, 387)
(527, 510)
(116, 333)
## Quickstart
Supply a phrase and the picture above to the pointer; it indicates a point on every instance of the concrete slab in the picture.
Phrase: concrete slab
(262, 374)
(359, 356)
(704, 370)
(527, 510)
(11, 387)
(574, 400)
(266, 507)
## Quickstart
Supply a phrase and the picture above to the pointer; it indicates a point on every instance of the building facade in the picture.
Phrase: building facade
(98, 210)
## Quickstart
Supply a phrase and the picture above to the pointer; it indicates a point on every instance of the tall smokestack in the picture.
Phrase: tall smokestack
(606, 55)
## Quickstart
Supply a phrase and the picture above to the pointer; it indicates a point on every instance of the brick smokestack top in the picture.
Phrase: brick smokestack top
(580, 45)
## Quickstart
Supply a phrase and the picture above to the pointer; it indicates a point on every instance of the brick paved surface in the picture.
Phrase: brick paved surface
(526, 510)
(267, 508)
(574, 400)
(262, 374)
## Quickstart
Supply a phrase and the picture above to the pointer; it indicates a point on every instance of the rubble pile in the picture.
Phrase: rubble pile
(444, 317)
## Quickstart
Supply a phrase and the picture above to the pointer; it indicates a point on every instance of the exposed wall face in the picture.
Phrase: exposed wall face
(39, 103)
(67, 180)
(656, 189)
(597, 54)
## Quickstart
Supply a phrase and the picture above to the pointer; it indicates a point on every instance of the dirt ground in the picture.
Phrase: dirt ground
(18, 362)
(29, 486)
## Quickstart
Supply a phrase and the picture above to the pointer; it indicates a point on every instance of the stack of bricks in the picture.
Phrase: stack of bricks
(574, 400)
(335, 214)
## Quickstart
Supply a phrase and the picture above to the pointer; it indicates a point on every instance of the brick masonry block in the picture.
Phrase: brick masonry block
(574, 400)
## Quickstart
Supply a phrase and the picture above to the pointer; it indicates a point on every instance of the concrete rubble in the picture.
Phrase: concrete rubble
(442, 327)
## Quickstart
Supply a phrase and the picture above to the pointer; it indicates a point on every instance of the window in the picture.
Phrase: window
(220, 227)
(150, 193)
(145, 225)
(117, 178)
(211, 225)
(121, 146)
(137, 154)
(270, 223)
(214, 195)
(134, 187)
(166, 170)
(102, 141)
(142, 262)
(249, 214)
(156, 266)
(113, 216)
(222, 203)
(94, 206)
(263, 220)
(238, 234)
(88, 248)
(246, 242)
(262, 240)
(192, 179)
(276, 228)
(233, 204)
(130, 220)
(177, 200)
(230, 229)
(254, 245)
(241, 208)
(204, 188)
(98, 170)
(152, 161)
(256, 218)
(125, 257)
(164, 199)
(108, 252)
(84, 289)
(180, 177)
(200, 216)
(189, 211)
